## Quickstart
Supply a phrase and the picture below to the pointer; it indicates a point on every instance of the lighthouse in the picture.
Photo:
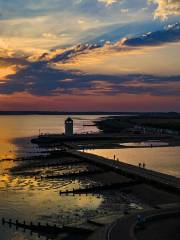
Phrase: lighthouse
(69, 127)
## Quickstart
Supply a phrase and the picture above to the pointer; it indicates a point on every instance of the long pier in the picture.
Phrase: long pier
(150, 176)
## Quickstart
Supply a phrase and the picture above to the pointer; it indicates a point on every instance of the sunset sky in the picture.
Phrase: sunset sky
(90, 55)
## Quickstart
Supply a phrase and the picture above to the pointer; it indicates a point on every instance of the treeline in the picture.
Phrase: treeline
(118, 124)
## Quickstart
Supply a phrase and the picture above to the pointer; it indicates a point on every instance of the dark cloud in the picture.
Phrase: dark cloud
(6, 61)
(42, 80)
(170, 33)
(74, 51)
(116, 31)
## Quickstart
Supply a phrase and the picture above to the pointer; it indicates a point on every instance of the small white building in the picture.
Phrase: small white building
(69, 127)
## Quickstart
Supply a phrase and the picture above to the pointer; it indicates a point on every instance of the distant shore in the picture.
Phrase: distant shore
(157, 123)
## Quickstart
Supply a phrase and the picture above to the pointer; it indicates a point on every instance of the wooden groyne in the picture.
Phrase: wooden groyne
(54, 154)
(57, 164)
(45, 229)
(149, 176)
(48, 165)
(38, 228)
(73, 174)
(98, 189)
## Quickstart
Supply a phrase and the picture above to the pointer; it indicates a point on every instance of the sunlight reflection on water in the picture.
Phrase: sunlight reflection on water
(25, 197)
(16, 131)
(162, 159)
(39, 200)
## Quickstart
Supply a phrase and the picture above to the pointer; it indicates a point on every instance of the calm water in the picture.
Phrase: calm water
(14, 128)
(35, 200)
(162, 159)
(145, 144)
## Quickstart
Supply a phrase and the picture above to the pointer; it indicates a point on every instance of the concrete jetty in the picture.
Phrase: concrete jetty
(62, 138)
(149, 176)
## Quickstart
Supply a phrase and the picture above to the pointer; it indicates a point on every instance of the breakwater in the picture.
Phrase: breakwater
(61, 138)
(155, 178)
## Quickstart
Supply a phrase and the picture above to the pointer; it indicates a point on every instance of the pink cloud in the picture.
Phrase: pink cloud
(121, 102)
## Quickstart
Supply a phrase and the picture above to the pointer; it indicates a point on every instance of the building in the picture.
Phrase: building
(69, 126)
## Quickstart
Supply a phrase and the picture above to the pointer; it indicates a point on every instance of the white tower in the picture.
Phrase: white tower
(69, 127)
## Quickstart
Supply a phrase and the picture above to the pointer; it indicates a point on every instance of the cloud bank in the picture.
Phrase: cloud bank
(171, 33)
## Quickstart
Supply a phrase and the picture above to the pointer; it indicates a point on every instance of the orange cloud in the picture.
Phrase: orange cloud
(6, 71)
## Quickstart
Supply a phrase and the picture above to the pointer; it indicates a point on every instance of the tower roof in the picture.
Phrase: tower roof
(69, 120)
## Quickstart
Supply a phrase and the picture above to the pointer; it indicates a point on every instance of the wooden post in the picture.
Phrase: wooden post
(10, 221)
(3, 221)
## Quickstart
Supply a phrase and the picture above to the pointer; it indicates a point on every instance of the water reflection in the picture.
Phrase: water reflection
(25, 197)
(162, 159)
(145, 144)
(16, 131)
(30, 199)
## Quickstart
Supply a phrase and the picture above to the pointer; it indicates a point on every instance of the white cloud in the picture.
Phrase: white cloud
(81, 21)
(124, 10)
(49, 35)
(109, 2)
(166, 8)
